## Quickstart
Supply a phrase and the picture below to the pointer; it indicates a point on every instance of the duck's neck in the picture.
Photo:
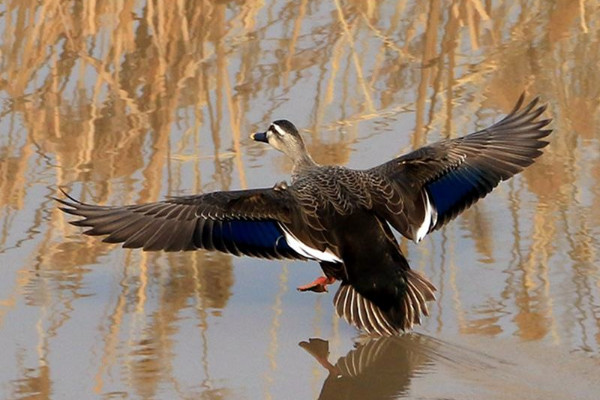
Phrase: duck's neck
(302, 163)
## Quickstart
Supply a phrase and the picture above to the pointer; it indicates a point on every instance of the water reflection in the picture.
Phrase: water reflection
(379, 368)
(420, 366)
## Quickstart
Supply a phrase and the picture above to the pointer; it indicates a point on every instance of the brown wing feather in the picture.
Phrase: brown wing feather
(237, 222)
(455, 173)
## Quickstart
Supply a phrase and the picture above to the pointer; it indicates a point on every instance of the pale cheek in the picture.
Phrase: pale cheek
(275, 144)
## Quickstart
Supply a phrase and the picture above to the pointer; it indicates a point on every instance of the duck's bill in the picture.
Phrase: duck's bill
(260, 137)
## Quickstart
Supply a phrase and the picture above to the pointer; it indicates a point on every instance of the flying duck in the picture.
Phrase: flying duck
(340, 217)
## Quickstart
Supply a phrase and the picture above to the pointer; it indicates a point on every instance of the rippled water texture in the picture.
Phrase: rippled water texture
(131, 101)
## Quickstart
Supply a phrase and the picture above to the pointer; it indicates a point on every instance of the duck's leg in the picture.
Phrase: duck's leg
(318, 285)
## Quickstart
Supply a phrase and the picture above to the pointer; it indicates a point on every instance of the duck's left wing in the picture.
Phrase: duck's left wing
(428, 187)
(245, 222)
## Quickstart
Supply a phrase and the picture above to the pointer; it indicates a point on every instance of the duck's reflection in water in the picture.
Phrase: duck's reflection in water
(378, 368)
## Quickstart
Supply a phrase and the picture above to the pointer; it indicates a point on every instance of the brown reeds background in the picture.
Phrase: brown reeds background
(128, 101)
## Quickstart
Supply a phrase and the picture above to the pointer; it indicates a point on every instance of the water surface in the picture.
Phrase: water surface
(132, 101)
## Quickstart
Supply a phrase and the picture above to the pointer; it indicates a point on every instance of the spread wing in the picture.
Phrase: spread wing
(439, 181)
(245, 222)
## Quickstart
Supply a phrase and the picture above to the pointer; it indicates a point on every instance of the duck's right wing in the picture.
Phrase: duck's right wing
(422, 190)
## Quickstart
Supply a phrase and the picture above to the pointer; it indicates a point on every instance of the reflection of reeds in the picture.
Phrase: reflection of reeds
(135, 99)
(274, 333)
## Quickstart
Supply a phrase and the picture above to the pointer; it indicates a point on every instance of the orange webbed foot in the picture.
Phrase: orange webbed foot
(319, 285)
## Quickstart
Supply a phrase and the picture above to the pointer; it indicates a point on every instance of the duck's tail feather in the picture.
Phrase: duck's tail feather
(366, 315)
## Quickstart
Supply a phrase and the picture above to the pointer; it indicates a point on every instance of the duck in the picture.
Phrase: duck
(342, 218)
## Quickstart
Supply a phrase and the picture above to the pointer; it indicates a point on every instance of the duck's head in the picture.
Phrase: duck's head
(283, 136)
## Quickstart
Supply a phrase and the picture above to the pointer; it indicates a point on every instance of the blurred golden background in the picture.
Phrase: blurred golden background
(130, 101)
